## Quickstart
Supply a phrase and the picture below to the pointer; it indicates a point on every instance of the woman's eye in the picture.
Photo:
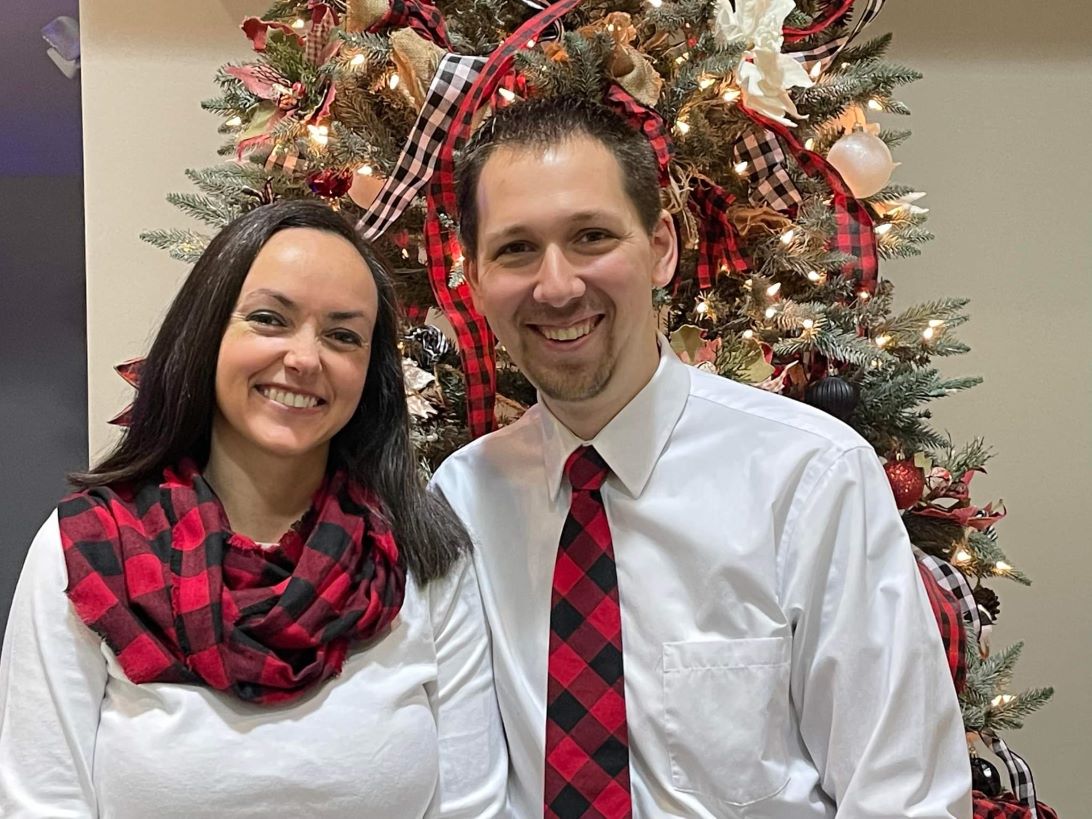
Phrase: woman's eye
(266, 318)
(346, 337)
(514, 248)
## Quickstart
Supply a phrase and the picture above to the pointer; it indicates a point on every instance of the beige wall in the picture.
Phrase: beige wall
(1000, 145)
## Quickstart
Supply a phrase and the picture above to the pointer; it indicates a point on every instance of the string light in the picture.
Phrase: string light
(748, 334)
(234, 122)
(405, 253)
(701, 308)
(771, 312)
(1002, 566)
(655, 3)
(740, 168)
(1002, 700)
(809, 143)
(883, 229)
(357, 60)
(962, 556)
(683, 127)
(875, 104)
(788, 236)
(773, 289)
(816, 70)
(730, 96)
(365, 170)
(682, 58)
(935, 322)
(506, 95)
(808, 324)
(299, 22)
(864, 295)
(814, 275)
(394, 81)
(882, 341)
(705, 82)
(928, 333)
(531, 43)
(320, 134)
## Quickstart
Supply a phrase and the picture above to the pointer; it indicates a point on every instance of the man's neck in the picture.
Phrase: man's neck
(587, 418)
(263, 500)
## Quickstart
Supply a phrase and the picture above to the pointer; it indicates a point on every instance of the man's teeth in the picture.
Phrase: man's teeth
(568, 333)
(289, 399)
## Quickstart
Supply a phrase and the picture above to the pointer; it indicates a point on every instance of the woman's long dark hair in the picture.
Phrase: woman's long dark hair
(174, 407)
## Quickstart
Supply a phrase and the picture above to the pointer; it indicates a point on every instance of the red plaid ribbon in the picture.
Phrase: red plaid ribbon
(1008, 806)
(178, 597)
(718, 239)
(420, 15)
(471, 331)
(853, 224)
(834, 12)
(587, 741)
(645, 120)
(950, 622)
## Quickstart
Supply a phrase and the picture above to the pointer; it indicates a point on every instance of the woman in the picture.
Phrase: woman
(252, 607)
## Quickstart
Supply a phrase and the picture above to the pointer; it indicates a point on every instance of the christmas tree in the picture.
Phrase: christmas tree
(779, 185)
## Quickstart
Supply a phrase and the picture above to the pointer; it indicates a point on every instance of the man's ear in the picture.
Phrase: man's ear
(665, 250)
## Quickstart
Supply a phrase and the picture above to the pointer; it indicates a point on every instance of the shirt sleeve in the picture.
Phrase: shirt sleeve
(473, 755)
(52, 681)
(870, 683)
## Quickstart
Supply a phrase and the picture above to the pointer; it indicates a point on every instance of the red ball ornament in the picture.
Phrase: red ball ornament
(907, 482)
(330, 183)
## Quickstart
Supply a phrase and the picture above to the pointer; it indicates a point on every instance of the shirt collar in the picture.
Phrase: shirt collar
(632, 441)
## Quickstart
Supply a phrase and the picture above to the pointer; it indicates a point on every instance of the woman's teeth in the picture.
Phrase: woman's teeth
(289, 399)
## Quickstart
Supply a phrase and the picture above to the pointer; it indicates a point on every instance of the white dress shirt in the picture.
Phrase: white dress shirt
(781, 658)
(409, 728)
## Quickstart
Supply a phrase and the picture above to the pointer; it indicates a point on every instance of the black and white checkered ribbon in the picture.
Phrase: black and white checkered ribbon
(453, 78)
(824, 54)
(952, 580)
(770, 182)
(1020, 778)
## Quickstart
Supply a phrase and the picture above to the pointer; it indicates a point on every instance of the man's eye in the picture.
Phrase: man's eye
(266, 318)
(592, 236)
(514, 248)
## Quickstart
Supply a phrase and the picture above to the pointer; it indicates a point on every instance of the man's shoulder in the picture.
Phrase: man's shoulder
(732, 404)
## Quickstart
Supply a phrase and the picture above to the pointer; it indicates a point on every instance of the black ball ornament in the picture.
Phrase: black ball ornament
(834, 395)
(985, 778)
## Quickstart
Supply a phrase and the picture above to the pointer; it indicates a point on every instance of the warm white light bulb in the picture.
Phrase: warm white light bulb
(808, 324)
(816, 70)
(365, 170)
(788, 236)
(319, 134)
(928, 333)
(357, 60)
(531, 43)
(813, 275)
(875, 104)
(771, 312)
(299, 22)
(748, 334)
(880, 230)
(731, 95)
(809, 144)
(935, 322)
(1001, 699)
(655, 3)
(705, 82)
(506, 95)
(962, 556)
(773, 289)
(394, 81)
(234, 122)
(882, 341)
(702, 308)
(1002, 566)
(682, 127)
(864, 295)
(740, 168)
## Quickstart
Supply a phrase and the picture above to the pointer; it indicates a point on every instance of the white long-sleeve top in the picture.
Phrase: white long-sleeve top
(781, 658)
(409, 728)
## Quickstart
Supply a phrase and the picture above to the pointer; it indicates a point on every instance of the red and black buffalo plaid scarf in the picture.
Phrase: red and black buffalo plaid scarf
(179, 597)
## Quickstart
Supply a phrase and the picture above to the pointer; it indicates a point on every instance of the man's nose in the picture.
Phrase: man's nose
(558, 281)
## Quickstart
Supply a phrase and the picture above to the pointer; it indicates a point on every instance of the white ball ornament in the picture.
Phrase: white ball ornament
(863, 160)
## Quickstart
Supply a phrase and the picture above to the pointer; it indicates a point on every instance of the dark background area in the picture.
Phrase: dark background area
(43, 348)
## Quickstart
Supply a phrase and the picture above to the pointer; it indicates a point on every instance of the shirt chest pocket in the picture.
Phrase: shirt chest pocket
(726, 712)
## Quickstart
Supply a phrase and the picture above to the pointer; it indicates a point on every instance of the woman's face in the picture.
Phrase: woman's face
(295, 351)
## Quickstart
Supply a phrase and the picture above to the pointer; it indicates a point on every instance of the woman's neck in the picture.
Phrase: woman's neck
(263, 500)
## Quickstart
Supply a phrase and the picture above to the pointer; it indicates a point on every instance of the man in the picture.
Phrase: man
(702, 598)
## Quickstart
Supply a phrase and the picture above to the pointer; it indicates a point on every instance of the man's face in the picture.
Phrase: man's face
(564, 270)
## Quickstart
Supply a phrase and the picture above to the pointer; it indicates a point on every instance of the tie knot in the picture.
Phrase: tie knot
(586, 469)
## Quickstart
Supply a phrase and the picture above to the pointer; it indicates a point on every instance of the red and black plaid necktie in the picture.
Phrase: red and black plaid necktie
(587, 745)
